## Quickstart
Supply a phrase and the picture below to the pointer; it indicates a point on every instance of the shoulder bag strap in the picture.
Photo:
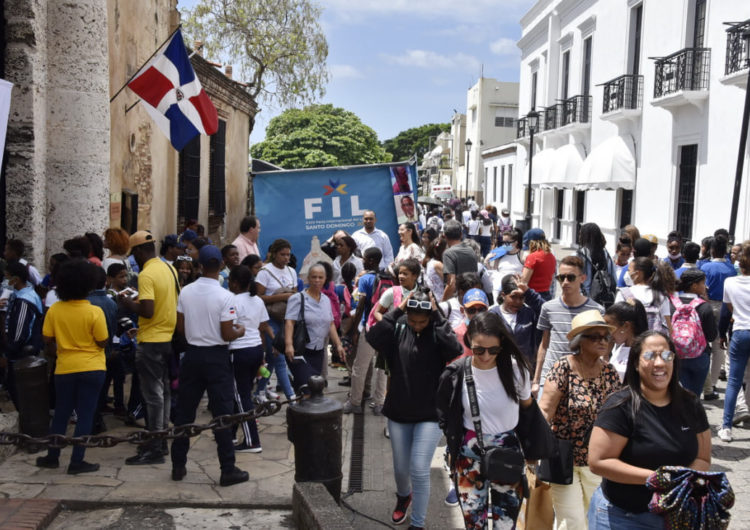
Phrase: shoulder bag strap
(301, 317)
(274, 277)
(471, 390)
(176, 283)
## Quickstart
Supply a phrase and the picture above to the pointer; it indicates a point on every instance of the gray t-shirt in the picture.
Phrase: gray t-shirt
(459, 259)
(556, 317)
(318, 317)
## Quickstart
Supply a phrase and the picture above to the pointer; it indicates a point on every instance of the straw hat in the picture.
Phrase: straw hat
(588, 320)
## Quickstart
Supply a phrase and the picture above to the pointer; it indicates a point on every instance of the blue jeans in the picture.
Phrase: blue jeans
(78, 391)
(693, 372)
(413, 445)
(245, 362)
(603, 515)
(276, 362)
(739, 352)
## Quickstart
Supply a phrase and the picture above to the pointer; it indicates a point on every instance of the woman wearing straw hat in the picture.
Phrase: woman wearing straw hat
(575, 388)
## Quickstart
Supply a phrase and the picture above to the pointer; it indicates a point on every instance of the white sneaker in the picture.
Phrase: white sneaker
(725, 434)
(270, 394)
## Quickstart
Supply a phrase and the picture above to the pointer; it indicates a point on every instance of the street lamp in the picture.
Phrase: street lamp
(468, 154)
(532, 118)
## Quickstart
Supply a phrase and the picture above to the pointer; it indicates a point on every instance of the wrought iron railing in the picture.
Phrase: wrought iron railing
(687, 69)
(738, 48)
(522, 129)
(576, 110)
(624, 92)
(552, 117)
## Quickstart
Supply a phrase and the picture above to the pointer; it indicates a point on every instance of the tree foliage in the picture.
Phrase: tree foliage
(278, 45)
(414, 140)
(319, 136)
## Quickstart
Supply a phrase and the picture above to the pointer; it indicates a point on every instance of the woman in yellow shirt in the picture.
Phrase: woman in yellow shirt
(76, 332)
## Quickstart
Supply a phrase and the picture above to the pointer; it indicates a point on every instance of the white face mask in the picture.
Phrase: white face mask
(628, 280)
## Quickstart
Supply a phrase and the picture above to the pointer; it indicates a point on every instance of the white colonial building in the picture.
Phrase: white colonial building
(640, 109)
(499, 175)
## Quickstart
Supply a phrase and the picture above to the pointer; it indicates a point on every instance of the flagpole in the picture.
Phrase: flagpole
(144, 62)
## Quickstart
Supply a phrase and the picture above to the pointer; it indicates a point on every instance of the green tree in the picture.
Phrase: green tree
(414, 140)
(319, 136)
(278, 45)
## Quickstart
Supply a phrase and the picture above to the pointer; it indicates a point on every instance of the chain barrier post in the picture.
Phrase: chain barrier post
(314, 427)
(33, 395)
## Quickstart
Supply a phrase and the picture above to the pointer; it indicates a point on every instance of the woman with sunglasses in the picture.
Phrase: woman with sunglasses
(503, 385)
(417, 342)
(652, 422)
(575, 389)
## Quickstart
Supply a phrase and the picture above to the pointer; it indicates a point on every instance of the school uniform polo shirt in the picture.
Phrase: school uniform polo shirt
(205, 304)
(157, 281)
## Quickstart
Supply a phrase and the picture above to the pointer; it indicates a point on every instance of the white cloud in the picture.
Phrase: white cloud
(344, 71)
(504, 46)
(433, 60)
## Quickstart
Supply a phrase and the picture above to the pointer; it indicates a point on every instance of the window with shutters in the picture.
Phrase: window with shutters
(217, 193)
(188, 182)
(686, 190)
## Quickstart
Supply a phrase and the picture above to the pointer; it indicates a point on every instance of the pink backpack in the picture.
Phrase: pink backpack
(687, 332)
(397, 297)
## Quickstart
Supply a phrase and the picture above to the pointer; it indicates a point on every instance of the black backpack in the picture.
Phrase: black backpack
(603, 286)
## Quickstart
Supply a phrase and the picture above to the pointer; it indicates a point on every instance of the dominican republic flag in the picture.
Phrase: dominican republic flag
(172, 94)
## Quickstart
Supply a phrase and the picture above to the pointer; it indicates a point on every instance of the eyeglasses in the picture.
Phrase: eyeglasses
(570, 277)
(492, 350)
(474, 310)
(666, 356)
(598, 338)
(419, 304)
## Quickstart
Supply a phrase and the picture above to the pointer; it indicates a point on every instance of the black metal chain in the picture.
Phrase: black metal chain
(267, 408)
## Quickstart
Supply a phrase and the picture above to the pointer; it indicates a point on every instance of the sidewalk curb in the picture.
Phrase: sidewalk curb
(313, 508)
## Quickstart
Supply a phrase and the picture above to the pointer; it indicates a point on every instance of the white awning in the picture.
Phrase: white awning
(436, 152)
(611, 165)
(541, 165)
(565, 167)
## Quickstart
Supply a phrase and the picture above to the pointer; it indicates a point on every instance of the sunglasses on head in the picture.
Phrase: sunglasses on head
(492, 350)
(570, 277)
(419, 304)
(666, 355)
(598, 338)
(184, 258)
(474, 310)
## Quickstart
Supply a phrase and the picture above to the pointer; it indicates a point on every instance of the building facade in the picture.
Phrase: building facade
(639, 114)
(499, 175)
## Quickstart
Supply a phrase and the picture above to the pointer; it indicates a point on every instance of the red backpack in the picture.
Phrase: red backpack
(687, 332)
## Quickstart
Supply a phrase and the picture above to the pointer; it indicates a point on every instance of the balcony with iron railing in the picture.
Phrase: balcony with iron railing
(682, 77)
(522, 128)
(737, 59)
(576, 112)
(623, 97)
(551, 118)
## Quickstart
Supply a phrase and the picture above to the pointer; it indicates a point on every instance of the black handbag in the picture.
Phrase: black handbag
(300, 337)
(537, 439)
(498, 464)
(558, 469)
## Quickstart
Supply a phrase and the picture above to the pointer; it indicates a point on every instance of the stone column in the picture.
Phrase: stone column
(78, 123)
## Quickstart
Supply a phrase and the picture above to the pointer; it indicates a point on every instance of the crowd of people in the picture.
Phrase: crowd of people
(463, 329)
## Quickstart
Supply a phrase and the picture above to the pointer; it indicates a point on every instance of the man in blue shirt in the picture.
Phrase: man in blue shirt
(717, 269)
(23, 321)
(365, 353)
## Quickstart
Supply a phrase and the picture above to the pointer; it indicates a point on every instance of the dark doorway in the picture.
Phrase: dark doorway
(580, 210)
(559, 200)
(626, 208)
(188, 182)
(686, 190)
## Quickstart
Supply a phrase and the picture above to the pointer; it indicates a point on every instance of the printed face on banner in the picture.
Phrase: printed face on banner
(406, 211)
(401, 180)
(303, 204)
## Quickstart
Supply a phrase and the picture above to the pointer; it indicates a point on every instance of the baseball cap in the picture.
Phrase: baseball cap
(209, 253)
(140, 237)
(173, 240)
(475, 297)
(651, 238)
(188, 235)
(535, 234)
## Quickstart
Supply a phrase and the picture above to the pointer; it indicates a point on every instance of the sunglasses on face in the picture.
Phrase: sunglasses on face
(598, 338)
(570, 277)
(419, 304)
(666, 356)
(492, 350)
(474, 310)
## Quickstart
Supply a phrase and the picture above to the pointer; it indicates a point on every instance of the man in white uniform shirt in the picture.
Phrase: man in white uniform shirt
(206, 315)
(369, 236)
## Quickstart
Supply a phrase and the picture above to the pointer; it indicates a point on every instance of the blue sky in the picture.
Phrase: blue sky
(403, 63)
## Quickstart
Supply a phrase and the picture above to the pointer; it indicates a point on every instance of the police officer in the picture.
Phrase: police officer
(206, 315)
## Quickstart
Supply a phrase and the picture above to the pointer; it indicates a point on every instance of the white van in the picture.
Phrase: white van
(441, 191)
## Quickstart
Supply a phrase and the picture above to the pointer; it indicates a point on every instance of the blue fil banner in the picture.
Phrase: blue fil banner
(298, 205)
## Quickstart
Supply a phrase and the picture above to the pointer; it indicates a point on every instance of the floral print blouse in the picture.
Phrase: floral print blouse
(579, 406)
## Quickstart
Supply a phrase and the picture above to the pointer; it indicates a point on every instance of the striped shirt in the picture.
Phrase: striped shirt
(557, 317)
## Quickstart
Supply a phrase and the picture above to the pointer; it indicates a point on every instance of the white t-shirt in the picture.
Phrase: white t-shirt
(205, 305)
(619, 359)
(646, 296)
(466, 217)
(273, 278)
(497, 411)
(737, 293)
(510, 318)
(51, 298)
(485, 230)
(508, 264)
(354, 260)
(452, 310)
(251, 313)
(474, 227)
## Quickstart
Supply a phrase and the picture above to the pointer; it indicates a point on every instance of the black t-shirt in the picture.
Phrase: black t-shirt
(658, 437)
(459, 259)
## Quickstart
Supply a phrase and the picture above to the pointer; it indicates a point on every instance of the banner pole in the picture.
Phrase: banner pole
(144, 62)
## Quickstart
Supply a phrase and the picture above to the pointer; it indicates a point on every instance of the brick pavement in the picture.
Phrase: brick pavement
(27, 513)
